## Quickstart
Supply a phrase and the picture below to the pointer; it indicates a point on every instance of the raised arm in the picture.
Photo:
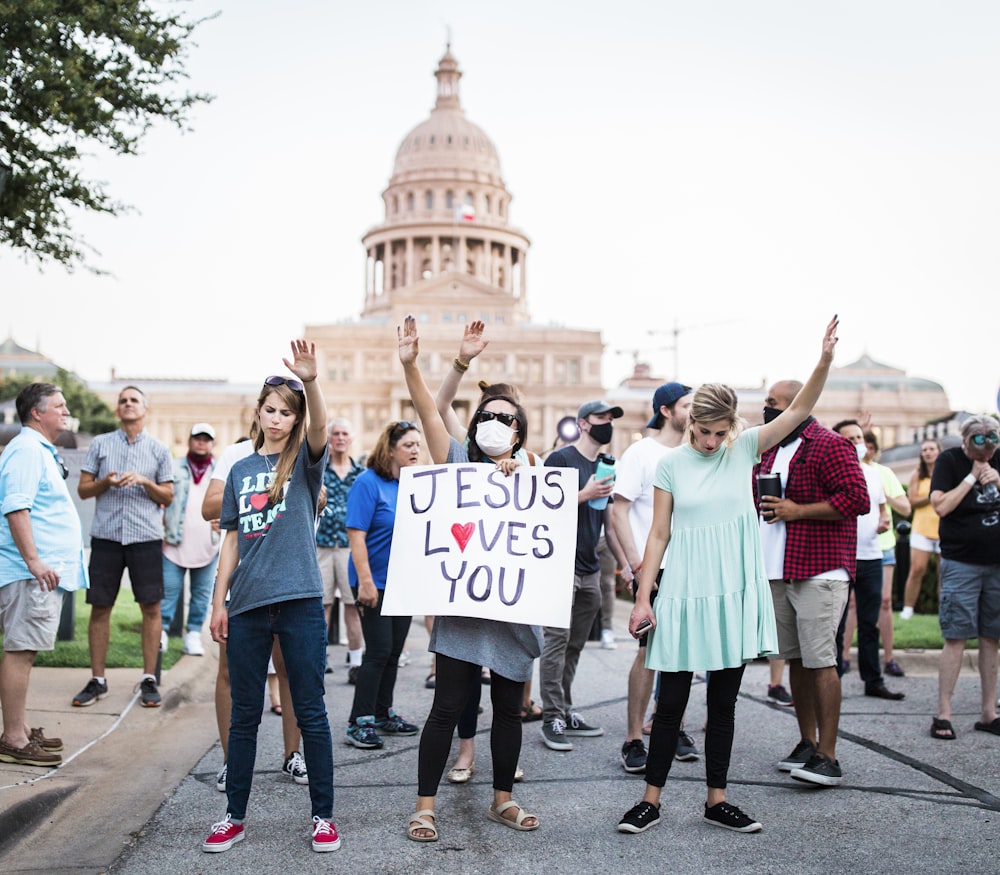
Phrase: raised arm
(303, 365)
(472, 345)
(802, 404)
(435, 433)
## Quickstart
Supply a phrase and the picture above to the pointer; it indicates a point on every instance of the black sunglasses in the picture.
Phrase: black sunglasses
(294, 385)
(505, 418)
(980, 439)
(403, 426)
(61, 462)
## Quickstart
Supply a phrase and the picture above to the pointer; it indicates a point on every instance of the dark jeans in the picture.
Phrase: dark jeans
(675, 688)
(451, 693)
(301, 630)
(376, 681)
(867, 588)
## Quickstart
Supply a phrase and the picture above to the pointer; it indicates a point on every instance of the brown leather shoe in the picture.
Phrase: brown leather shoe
(53, 745)
(29, 755)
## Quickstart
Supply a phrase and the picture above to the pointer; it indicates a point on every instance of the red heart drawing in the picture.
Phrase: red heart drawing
(258, 501)
(462, 534)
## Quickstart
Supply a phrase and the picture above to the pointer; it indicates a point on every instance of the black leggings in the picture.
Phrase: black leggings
(675, 688)
(451, 692)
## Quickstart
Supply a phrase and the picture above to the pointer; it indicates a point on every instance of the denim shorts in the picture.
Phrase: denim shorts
(928, 545)
(970, 600)
(889, 557)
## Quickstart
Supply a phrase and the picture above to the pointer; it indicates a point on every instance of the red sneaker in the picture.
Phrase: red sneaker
(325, 836)
(224, 835)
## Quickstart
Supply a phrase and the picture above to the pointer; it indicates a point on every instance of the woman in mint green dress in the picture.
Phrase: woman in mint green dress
(713, 610)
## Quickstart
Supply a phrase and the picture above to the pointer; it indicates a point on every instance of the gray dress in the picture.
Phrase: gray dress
(509, 649)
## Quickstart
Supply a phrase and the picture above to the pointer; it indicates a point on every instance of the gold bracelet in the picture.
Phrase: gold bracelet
(460, 366)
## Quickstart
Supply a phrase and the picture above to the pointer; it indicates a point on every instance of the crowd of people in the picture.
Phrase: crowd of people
(283, 526)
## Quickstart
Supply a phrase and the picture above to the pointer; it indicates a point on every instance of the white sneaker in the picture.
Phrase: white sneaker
(608, 640)
(164, 641)
(906, 613)
(192, 643)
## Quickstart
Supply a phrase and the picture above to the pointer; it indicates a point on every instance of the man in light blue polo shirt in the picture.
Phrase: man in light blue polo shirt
(41, 554)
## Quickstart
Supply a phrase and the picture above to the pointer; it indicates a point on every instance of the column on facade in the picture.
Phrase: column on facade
(508, 283)
(408, 270)
(435, 255)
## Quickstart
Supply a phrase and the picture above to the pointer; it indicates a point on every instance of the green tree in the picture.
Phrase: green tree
(78, 74)
(95, 416)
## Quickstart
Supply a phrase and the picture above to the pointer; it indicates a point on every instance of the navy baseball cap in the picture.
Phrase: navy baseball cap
(666, 395)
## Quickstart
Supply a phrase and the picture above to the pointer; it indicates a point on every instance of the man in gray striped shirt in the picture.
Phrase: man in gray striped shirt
(130, 474)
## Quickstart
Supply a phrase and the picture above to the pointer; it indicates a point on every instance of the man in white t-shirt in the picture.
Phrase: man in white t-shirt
(867, 586)
(632, 516)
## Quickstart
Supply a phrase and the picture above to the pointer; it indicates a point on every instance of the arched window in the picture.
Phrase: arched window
(410, 202)
(449, 199)
(429, 200)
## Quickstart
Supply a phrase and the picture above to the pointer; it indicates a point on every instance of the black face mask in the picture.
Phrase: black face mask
(771, 414)
(602, 432)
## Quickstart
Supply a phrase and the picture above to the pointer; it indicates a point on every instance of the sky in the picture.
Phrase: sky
(706, 183)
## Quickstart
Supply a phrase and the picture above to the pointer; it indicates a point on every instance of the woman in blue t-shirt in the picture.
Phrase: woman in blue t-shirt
(268, 569)
(463, 644)
(371, 515)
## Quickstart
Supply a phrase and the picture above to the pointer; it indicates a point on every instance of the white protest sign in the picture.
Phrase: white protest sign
(469, 541)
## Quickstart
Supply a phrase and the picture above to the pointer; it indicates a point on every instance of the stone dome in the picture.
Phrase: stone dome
(447, 143)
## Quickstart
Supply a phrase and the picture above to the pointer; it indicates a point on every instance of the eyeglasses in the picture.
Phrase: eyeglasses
(505, 418)
(61, 462)
(981, 439)
(294, 385)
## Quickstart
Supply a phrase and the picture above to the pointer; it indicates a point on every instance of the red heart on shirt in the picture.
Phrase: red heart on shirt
(462, 534)
(258, 501)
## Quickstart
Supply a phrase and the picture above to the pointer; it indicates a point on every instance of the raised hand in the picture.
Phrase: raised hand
(409, 342)
(472, 341)
(303, 363)
(830, 339)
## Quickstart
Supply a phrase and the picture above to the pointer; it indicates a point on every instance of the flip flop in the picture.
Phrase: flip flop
(993, 726)
(942, 730)
(496, 815)
(531, 713)
(419, 820)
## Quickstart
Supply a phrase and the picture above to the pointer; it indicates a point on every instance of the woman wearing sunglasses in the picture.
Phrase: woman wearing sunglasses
(371, 515)
(267, 566)
(463, 644)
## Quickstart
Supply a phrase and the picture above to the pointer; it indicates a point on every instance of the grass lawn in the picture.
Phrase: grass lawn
(125, 650)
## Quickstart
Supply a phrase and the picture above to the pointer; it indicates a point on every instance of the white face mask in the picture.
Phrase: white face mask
(862, 451)
(494, 438)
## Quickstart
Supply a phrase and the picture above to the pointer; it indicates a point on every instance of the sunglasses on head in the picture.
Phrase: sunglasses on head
(402, 427)
(506, 418)
(980, 440)
(294, 385)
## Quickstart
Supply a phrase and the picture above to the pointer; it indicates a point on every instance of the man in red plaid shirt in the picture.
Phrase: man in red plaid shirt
(809, 539)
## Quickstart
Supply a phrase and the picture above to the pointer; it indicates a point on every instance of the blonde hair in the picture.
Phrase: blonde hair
(714, 402)
(296, 402)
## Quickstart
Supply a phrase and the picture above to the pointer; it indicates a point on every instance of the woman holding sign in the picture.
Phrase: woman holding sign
(463, 644)
(371, 515)
(714, 606)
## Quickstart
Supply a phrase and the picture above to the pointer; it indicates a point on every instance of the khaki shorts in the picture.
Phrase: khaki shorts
(807, 613)
(333, 567)
(29, 615)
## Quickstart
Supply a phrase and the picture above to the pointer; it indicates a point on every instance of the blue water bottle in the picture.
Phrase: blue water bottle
(605, 468)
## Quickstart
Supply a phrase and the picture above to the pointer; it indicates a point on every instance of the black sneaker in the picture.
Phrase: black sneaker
(686, 751)
(634, 756)
(295, 768)
(393, 724)
(730, 817)
(798, 757)
(554, 735)
(149, 695)
(639, 818)
(352, 674)
(819, 770)
(778, 695)
(94, 690)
